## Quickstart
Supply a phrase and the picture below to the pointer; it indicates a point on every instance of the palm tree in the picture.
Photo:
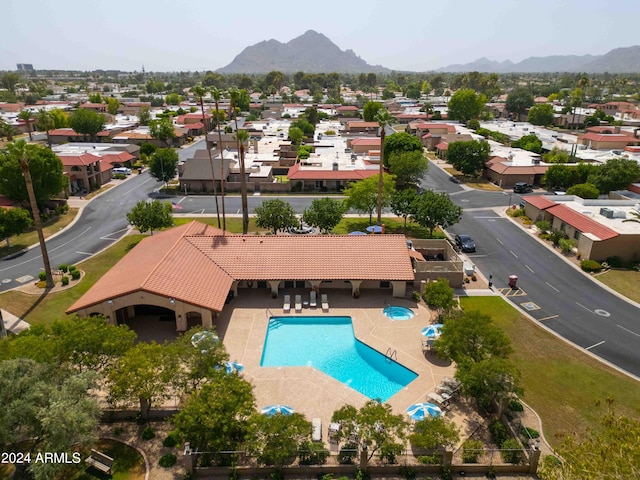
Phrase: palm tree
(216, 94)
(7, 130)
(384, 119)
(26, 116)
(200, 92)
(635, 214)
(241, 137)
(44, 121)
(20, 150)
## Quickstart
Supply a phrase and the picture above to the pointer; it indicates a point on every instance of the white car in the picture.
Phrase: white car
(123, 170)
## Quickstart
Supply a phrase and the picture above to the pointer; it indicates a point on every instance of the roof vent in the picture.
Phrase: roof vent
(335, 166)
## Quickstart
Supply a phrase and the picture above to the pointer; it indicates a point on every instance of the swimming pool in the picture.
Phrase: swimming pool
(328, 344)
(396, 312)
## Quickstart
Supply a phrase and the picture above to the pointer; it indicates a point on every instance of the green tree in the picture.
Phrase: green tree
(87, 122)
(432, 209)
(9, 80)
(560, 176)
(615, 174)
(95, 98)
(44, 123)
(274, 439)
(529, 142)
(295, 135)
(489, 381)
(60, 118)
(375, 426)
(7, 130)
(13, 221)
(143, 374)
(276, 215)
(312, 115)
(370, 110)
(162, 130)
(403, 202)
(324, 213)
(468, 157)
(151, 216)
(384, 120)
(408, 167)
(584, 190)
(556, 155)
(173, 99)
(518, 101)
(466, 104)
(400, 142)
(439, 295)
(432, 433)
(25, 115)
(363, 195)
(163, 165)
(144, 116)
(541, 115)
(112, 105)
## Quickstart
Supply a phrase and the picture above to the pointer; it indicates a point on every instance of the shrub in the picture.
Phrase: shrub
(330, 132)
(499, 432)
(512, 451)
(347, 454)
(555, 237)
(432, 459)
(75, 274)
(119, 176)
(63, 267)
(42, 276)
(72, 268)
(590, 266)
(41, 284)
(518, 212)
(148, 433)
(527, 432)
(515, 405)
(389, 452)
(615, 262)
(313, 453)
(543, 225)
(415, 296)
(471, 451)
(168, 460)
(407, 472)
(566, 245)
(64, 280)
(170, 441)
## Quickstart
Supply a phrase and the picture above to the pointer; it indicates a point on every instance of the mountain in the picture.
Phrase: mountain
(619, 60)
(311, 52)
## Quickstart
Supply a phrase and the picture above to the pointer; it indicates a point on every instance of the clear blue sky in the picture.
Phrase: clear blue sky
(174, 35)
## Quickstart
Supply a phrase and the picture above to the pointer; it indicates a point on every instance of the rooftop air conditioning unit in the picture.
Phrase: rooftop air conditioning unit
(606, 212)
(617, 213)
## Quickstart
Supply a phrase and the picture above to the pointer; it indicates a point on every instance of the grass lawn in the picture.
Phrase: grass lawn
(45, 309)
(234, 224)
(626, 282)
(24, 240)
(563, 384)
(128, 464)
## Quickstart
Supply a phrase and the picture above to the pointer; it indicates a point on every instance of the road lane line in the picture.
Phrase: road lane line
(630, 331)
(580, 305)
(85, 253)
(181, 200)
(548, 318)
(551, 286)
(106, 237)
(72, 240)
(594, 345)
(500, 241)
(513, 254)
(529, 268)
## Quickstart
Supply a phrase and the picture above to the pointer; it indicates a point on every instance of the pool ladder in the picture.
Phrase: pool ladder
(268, 313)
(391, 354)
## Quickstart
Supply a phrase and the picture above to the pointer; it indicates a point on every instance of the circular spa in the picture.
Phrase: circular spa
(396, 312)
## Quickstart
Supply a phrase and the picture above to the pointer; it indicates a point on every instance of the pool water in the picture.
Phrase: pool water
(329, 344)
(395, 312)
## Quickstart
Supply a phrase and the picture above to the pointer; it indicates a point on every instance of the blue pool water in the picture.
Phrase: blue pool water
(395, 312)
(328, 344)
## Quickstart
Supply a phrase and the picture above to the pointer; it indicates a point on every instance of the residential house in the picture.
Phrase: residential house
(317, 178)
(142, 135)
(360, 127)
(608, 138)
(363, 145)
(96, 107)
(66, 135)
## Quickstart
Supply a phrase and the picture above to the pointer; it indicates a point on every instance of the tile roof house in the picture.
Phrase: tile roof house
(504, 173)
(607, 138)
(334, 179)
(194, 269)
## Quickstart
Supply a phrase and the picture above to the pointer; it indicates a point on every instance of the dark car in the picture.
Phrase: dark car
(465, 243)
(522, 187)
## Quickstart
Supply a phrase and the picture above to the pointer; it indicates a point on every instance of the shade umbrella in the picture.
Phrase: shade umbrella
(233, 367)
(277, 408)
(357, 233)
(420, 411)
(374, 229)
(432, 330)
(202, 339)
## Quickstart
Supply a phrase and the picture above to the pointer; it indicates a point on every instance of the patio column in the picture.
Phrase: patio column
(274, 284)
(207, 319)
(315, 285)
(355, 288)
(399, 289)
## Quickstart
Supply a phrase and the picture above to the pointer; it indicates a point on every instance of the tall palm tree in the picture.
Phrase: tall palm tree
(216, 94)
(201, 92)
(20, 150)
(384, 119)
(241, 138)
(44, 121)
(26, 116)
(636, 215)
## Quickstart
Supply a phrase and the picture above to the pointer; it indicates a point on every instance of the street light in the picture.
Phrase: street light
(509, 193)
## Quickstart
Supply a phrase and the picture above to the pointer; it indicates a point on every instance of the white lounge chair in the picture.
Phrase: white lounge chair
(325, 302)
(286, 306)
(298, 303)
(316, 434)
(313, 299)
(437, 398)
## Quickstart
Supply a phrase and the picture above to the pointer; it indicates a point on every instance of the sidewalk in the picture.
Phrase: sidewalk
(12, 323)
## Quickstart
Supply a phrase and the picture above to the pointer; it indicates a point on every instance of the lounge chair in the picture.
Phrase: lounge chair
(437, 398)
(313, 299)
(316, 433)
(298, 303)
(286, 306)
(325, 302)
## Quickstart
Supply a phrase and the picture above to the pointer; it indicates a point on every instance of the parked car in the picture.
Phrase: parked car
(522, 187)
(465, 243)
(123, 170)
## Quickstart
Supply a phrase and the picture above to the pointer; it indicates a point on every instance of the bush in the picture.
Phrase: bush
(566, 245)
(515, 405)
(313, 453)
(168, 460)
(389, 452)
(615, 262)
(347, 454)
(407, 472)
(170, 441)
(148, 433)
(64, 280)
(590, 266)
(117, 431)
(72, 268)
(75, 274)
(415, 296)
(119, 176)
(527, 432)
(512, 451)
(432, 459)
(471, 451)
(555, 237)
(499, 432)
(543, 226)
(42, 276)
(63, 267)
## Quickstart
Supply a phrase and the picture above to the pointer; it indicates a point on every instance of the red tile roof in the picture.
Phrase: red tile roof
(84, 159)
(539, 201)
(360, 124)
(297, 173)
(347, 108)
(436, 127)
(613, 137)
(581, 222)
(442, 146)
(372, 141)
(196, 264)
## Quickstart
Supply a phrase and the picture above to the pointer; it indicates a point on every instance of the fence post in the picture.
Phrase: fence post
(447, 458)
(534, 459)
(189, 458)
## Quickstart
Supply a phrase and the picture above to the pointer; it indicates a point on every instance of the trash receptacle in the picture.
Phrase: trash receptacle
(139, 170)
(513, 280)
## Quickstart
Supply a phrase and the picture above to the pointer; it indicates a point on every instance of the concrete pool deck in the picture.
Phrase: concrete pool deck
(243, 326)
